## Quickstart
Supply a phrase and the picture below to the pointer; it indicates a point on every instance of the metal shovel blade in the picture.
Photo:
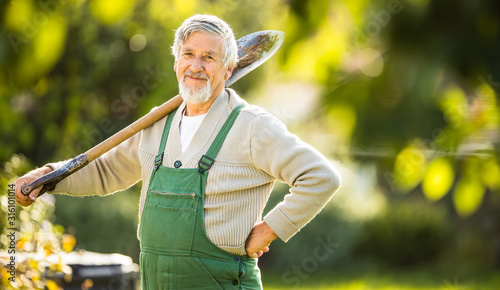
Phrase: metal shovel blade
(254, 49)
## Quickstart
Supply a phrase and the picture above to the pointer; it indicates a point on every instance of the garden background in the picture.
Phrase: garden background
(402, 96)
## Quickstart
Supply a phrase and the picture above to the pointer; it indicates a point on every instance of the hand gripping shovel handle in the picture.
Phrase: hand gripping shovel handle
(50, 180)
(253, 50)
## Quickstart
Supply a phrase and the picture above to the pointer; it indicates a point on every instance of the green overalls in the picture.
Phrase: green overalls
(175, 250)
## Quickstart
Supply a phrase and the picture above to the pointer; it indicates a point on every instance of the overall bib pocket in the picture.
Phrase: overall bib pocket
(171, 220)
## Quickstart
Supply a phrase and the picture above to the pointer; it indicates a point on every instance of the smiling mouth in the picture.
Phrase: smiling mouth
(195, 76)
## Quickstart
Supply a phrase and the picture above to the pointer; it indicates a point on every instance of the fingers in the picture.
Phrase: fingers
(22, 199)
(259, 239)
(259, 253)
(256, 255)
(34, 193)
(26, 200)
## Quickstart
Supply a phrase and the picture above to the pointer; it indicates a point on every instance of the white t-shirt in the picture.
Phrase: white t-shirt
(189, 125)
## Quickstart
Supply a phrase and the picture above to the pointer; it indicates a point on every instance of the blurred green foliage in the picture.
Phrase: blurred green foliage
(92, 226)
(404, 94)
(406, 235)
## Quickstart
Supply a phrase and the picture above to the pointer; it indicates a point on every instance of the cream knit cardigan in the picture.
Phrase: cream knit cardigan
(257, 151)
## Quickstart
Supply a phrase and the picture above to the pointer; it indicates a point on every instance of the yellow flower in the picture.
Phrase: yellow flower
(68, 243)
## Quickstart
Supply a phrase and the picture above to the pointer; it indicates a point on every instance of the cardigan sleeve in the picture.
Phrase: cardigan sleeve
(312, 178)
(115, 170)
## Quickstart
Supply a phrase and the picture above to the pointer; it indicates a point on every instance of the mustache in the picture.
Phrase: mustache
(196, 75)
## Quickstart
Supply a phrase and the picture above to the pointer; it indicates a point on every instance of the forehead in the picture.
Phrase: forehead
(203, 41)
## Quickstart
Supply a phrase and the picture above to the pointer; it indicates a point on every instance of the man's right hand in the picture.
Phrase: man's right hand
(26, 200)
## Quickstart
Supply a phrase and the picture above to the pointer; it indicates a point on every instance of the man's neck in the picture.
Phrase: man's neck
(200, 109)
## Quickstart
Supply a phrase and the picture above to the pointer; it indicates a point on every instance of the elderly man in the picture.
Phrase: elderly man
(208, 170)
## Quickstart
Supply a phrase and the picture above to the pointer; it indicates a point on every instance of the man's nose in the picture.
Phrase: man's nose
(197, 64)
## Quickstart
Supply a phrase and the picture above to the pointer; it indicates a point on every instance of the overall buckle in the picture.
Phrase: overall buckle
(205, 164)
(158, 161)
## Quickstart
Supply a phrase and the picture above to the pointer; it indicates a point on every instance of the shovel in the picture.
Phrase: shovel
(253, 50)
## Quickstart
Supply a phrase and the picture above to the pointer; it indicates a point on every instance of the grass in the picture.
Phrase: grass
(435, 279)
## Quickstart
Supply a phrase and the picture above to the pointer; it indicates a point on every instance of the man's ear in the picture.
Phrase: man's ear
(175, 66)
(229, 72)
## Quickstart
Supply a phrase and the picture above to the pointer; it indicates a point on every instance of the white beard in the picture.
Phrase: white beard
(194, 96)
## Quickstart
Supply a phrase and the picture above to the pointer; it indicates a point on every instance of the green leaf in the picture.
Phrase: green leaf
(467, 196)
(438, 179)
(409, 168)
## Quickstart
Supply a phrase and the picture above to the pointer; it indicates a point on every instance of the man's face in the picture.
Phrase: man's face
(199, 66)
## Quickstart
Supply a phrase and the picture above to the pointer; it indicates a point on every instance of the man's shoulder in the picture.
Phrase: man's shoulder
(151, 135)
(254, 110)
(250, 110)
(258, 119)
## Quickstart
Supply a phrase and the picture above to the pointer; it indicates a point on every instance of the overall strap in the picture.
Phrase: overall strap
(164, 136)
(207, 160)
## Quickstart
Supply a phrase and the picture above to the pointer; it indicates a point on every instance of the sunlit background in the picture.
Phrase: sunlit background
(400, 95)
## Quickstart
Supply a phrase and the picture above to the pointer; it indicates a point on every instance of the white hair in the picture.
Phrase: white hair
(211, 24)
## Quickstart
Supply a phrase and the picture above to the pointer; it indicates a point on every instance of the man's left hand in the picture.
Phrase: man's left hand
(259, 239)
